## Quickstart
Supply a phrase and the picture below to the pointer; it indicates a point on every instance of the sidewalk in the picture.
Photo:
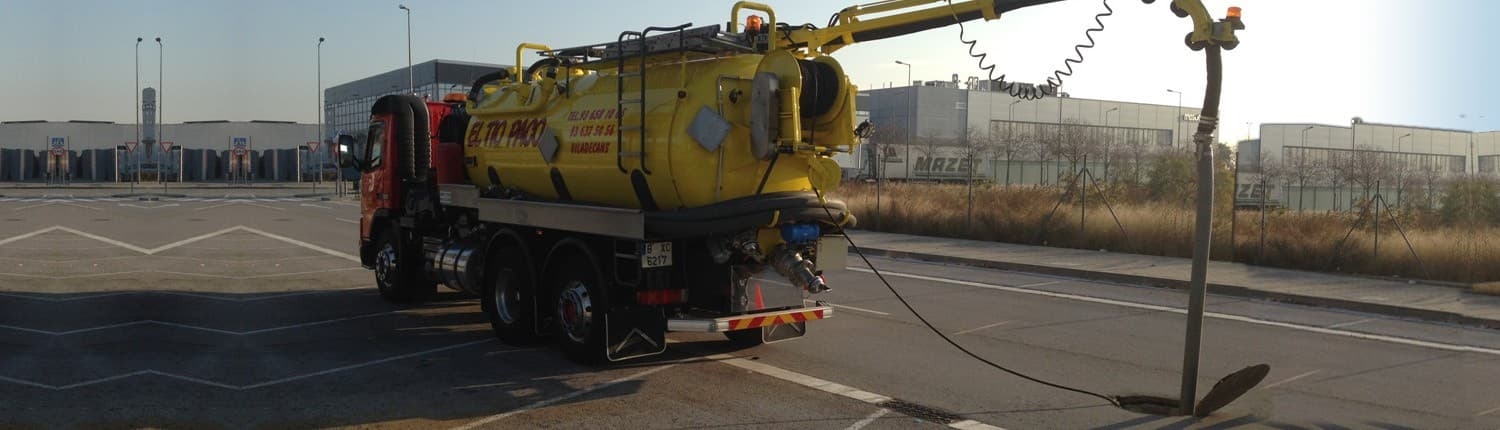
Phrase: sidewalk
(1388, 297)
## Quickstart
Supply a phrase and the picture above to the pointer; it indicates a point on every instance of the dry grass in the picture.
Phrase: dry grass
(1306, 241)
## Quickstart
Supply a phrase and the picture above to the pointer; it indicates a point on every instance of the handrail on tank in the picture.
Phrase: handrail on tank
(521, 49)
(734, 15)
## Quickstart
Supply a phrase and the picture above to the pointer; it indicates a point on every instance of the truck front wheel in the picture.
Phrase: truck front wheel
(398, 271)
(510, 298)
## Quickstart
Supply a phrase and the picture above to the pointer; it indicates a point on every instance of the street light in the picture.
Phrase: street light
(1177, 126)
(910, 116)
(160, 119)
(319, 97)
(1302, 170)
(136, 159)
(1010, 117)
(410, 82)
(1110, 142)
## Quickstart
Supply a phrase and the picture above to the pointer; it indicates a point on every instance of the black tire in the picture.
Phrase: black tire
(579, 306)
(745, 338)
(398, 271)
(509, 299)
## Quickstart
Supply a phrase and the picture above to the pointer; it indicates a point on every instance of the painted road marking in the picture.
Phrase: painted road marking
(1216, 315)
(1487, 412)
(153, 372)
(132, 205)
(564, 397)
(982, 327)
(302, 244)
(1346, 324)
(182, 242)
(827, 386)
(346, 220)
(316, 206)
(1039, 284)
(1284, 381)
(241, 202)
(194, 327)
(868, 419)
(852, 308)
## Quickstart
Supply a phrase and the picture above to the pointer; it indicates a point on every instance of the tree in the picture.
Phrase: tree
(1079, 140)
(1471, 202)
(1008, 144)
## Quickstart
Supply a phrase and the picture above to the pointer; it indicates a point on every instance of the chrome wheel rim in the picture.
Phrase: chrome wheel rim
(385, 265)
(575, 311)
(506, 298)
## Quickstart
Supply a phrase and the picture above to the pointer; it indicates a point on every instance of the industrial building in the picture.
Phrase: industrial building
(104, 151)
(1304, 166)
(930, 131)
(347, 105)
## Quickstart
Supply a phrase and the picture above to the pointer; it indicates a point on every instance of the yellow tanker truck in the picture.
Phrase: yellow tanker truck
(610, 193)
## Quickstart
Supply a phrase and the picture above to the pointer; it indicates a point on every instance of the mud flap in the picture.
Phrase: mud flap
(632, 333)
(779, 332)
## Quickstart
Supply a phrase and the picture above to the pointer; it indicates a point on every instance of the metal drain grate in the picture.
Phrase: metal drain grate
(921, 412)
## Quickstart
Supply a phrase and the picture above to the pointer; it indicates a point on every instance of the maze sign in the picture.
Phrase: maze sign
(239, 145)
(58, 145)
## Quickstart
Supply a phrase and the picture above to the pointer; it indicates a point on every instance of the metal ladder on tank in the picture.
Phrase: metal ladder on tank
(641, 53)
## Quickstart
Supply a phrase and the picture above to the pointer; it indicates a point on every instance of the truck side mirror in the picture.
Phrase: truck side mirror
(349, 153)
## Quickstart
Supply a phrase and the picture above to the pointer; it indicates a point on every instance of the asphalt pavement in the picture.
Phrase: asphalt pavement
(216, 309)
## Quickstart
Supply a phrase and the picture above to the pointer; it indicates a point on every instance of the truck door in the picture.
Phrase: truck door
(377, 192)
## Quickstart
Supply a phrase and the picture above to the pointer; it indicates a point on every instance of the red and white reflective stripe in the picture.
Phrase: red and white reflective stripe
(754, 321)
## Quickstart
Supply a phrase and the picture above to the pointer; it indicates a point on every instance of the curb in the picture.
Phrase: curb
(1218, 289)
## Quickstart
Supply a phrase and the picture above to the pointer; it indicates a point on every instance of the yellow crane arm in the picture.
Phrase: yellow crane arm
(879, 20)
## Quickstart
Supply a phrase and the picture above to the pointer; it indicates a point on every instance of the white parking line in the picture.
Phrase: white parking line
(848, 307)
(1349, 323)
(302, 244)
(1487, 412)
(153, 372)
(316, 206)
(570, 395)
(1215, 315)
(1284, 381)
(982, 327)
(346, 220)
(868, 419)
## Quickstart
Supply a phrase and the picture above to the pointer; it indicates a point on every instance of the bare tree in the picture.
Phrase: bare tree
(1367, 168)
(1078, 142)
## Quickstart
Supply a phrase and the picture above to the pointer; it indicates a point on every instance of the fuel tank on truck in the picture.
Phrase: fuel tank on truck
(688, 129)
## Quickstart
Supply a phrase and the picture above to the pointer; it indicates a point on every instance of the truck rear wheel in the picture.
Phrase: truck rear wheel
(510, 297)
(398, 271)
(580, 308)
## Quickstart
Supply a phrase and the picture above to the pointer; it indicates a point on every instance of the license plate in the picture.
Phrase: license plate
(658, 254)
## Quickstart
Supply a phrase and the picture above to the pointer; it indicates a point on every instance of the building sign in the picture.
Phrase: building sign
(240, 146)
(57, 145)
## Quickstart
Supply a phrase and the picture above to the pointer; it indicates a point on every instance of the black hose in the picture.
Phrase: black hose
(1112, 400)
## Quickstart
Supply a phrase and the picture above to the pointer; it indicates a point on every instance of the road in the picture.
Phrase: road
(234, 311)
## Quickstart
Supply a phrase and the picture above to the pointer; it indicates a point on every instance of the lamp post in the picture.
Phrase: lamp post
(410, 81)
(133, 157)
(338, 184)
(1109, 143)
(160, 119)
(1302, 170)
(1400, 169)
(910, 117)
(1010, 143)
(1177, 126)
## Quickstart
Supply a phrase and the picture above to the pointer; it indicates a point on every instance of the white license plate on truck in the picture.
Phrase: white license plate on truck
(657, 254)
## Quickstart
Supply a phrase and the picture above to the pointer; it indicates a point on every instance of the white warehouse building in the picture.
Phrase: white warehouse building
(1332, 167)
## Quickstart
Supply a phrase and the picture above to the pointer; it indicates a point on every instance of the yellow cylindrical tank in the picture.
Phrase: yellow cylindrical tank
(577, 136)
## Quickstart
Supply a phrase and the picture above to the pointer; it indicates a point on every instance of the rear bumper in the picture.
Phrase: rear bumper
(748, 321)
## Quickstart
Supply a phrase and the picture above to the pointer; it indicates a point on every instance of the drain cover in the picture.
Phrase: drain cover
(921, 412)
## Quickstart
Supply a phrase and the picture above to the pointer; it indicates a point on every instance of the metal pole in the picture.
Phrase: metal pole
(910, 116)
(1177, 125)
(161, 52)
(1376, 253)
(1234, 213)
(1198, 286)
(411, 86)
(131, 151)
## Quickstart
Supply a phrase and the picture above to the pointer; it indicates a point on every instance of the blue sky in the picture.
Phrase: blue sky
(1417, 63)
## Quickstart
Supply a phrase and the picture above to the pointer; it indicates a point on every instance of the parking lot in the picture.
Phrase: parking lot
(249, 311)
(245, 308)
